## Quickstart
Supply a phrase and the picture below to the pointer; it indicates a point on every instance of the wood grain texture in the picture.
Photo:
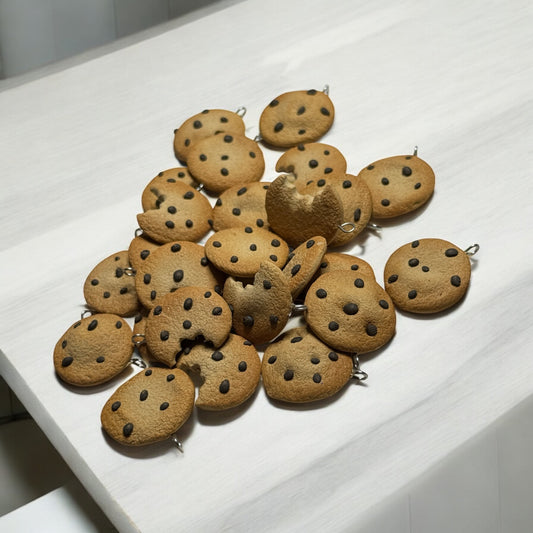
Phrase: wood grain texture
(77, 148)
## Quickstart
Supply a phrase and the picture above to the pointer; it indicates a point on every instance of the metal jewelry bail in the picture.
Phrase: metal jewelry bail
(374, 227)
(138, 362)
(241, 111)
(178, 443)
(472, 250)
(86, 313)
(326, 90)
(129, 271)
(138, 232)
(357, 373)
(258, 138)
(200, 187)
(415, 152)
(298, 309)
(347, 227)
(138, 339)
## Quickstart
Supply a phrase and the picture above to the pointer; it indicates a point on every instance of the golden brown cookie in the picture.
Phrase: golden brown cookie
(241, 206)
(297, 217)
(356, 204)
(164, 184)
(350, 313)
(208, 122)
(174, 265)
(312, 161)
(223, 161)
(398, 184)
(239, 251)
(296, 117)
(181, 214)
(149, 407)
(110, 286)
(304, 261)
(189, 313)
(141, 246)
(340, 261)
(260, 309)
(229, 375)
(427, 275)
(93, 350)
(300, 368)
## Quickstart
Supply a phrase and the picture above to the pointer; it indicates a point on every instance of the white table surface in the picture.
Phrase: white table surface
(78, 146)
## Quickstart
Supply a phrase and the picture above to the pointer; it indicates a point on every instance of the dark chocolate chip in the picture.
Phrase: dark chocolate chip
(224, 387)
(455, 281)
(248, 321)
(143, 395)
(350, 308)
(321, 293)
(288, 375)
(67, 361)
(163, 406)
(164, 335)
(217, 356)
(93, 324)
(317, 378)
(115, 405)
(371, 330)
(333, 326)
(187, 304)
(177, 276)
(127, 430)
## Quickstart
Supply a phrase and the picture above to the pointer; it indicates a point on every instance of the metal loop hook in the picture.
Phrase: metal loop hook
(326, 90)
(472, 250)
(138, 339)
(138, 362)
(357, 373)
(241, 111)
(415, 152)
(258, 138)
(129, 271)
(138, 232)
(298, 308)
(200, 187)
(177, 442)
(347, 227)
(86, 313)
(374, 227)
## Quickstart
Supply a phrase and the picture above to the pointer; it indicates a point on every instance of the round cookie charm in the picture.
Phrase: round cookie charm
(230, 374)
(208, 122)
(296, 117)
(189, 313)
(298, 368)
(239, 251)
(312, 161)
(110, 286)
(149, 407)
(163, 184)
(223, 161)
(241, 206)
(427, 275)
(140, 249)
(174, 265)
(93, 350)
(181, 214)
(350, 313)
(398, 184)
(339, 261)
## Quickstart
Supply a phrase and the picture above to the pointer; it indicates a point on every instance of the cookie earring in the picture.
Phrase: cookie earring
(93, 350)
(428, 275)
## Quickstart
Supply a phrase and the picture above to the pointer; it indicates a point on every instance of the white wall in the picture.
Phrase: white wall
(34, 33)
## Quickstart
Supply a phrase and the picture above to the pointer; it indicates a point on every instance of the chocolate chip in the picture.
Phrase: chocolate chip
(115, 406)
(371, 330)
(163, 406)
(143, 395)
(224, 387)
(127, 430)
(67, 361)
(350, 308)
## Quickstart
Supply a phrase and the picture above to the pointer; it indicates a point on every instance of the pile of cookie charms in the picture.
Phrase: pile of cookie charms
(204, 312)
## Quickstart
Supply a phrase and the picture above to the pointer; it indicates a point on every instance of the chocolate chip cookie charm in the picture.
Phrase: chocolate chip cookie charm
(93, 350)
(180, 214)
(110, 286)
(149, 407)
(240, 251)
(350, 313)
(189, 313)
(229, 375)
(398, 184)
(163, 184)
(225, 160)
(174, 265)
(296, 117)
(299, 368)
(312, 161)
(428, 275)
(208, 122)
(241, 206)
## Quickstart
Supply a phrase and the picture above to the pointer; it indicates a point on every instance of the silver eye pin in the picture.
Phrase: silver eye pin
(298, 309)
(86, 313)
(138, 362)
(241, 111)
(326, 90)
(415, 152)
(472, 250)
(138, 339)
(357, 373)
(178, 443)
